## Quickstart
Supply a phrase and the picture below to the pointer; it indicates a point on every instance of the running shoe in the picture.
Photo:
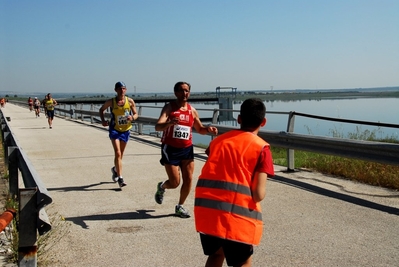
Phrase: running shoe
(181, 212)
(159, 193)
(114, 175)
(121, 182)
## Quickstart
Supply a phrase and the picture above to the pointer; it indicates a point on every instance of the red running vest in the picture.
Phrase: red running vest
(179, 135)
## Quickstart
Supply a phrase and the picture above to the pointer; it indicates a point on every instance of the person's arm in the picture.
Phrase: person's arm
(55, 102)
(164, 122)
(133, 109)
(263, 170)
(199, 127)
(258, 187)
(103, 108)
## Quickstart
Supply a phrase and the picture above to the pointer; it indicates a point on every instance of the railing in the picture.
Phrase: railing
(387, 153)
(33, 197)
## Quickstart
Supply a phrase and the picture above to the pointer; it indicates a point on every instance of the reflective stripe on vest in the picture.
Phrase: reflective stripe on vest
(228, 207)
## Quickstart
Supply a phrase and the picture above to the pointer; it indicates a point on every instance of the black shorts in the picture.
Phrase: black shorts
(50, 113)
(173, 155)
(234, 252)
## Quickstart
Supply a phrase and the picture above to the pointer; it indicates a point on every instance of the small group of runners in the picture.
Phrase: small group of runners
(222, 185)
(48, 105)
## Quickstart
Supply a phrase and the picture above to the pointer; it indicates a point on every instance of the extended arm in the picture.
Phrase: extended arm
(199, 127)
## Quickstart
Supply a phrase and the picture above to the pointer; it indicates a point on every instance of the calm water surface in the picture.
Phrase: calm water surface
(384, 110)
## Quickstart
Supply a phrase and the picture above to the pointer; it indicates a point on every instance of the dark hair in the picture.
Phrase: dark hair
(252, 113)
(119, 85)
(178, 84)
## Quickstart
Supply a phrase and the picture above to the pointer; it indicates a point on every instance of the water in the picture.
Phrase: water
(383, 110)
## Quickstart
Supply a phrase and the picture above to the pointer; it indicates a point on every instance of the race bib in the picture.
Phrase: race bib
(181, 132)
(122, 120)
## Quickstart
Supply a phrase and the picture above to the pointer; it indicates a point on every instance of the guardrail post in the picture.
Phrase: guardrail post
(7, 142)
(13, 170)
(91, 117)
(140, 125)
(27, 247)
(215, 118)
(77, 106)
(290, 152)
(72, 110)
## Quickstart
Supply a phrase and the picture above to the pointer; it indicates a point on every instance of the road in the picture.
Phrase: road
(309, 219)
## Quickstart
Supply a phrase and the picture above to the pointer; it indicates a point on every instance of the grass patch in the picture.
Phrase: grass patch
(372, 173)
(46, 242)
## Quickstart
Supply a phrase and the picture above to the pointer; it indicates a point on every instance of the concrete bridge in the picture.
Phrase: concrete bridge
(309, 219)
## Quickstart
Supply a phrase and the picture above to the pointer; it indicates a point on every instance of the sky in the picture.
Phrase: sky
(87, 46)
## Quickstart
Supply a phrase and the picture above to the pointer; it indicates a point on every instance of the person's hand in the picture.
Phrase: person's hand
(174, 121)
(105, 123)
(212, 130)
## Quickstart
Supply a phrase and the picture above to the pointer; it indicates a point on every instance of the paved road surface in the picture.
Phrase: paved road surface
(309, 219)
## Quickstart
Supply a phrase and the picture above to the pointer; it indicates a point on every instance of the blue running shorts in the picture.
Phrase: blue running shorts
(122, 136)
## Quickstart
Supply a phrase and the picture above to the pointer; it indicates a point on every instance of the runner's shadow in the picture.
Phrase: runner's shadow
(336, 195)
(137, 215)
(84, 188)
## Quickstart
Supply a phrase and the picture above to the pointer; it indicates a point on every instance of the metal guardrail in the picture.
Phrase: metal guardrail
(33, 197)
(387, 153)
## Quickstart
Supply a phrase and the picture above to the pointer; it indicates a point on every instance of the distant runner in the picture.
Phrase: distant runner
(50, 103)
(36, 106)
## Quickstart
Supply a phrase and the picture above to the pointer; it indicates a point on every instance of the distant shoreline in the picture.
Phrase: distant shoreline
(320, 95)
(281, 95)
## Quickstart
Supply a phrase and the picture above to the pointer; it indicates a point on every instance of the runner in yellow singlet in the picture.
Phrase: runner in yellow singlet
(50, 103)
(123, 113)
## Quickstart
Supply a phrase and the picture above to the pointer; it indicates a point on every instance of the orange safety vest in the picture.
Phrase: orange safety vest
(223, 200)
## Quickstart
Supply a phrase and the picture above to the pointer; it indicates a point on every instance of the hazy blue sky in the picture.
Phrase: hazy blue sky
(87, 46)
